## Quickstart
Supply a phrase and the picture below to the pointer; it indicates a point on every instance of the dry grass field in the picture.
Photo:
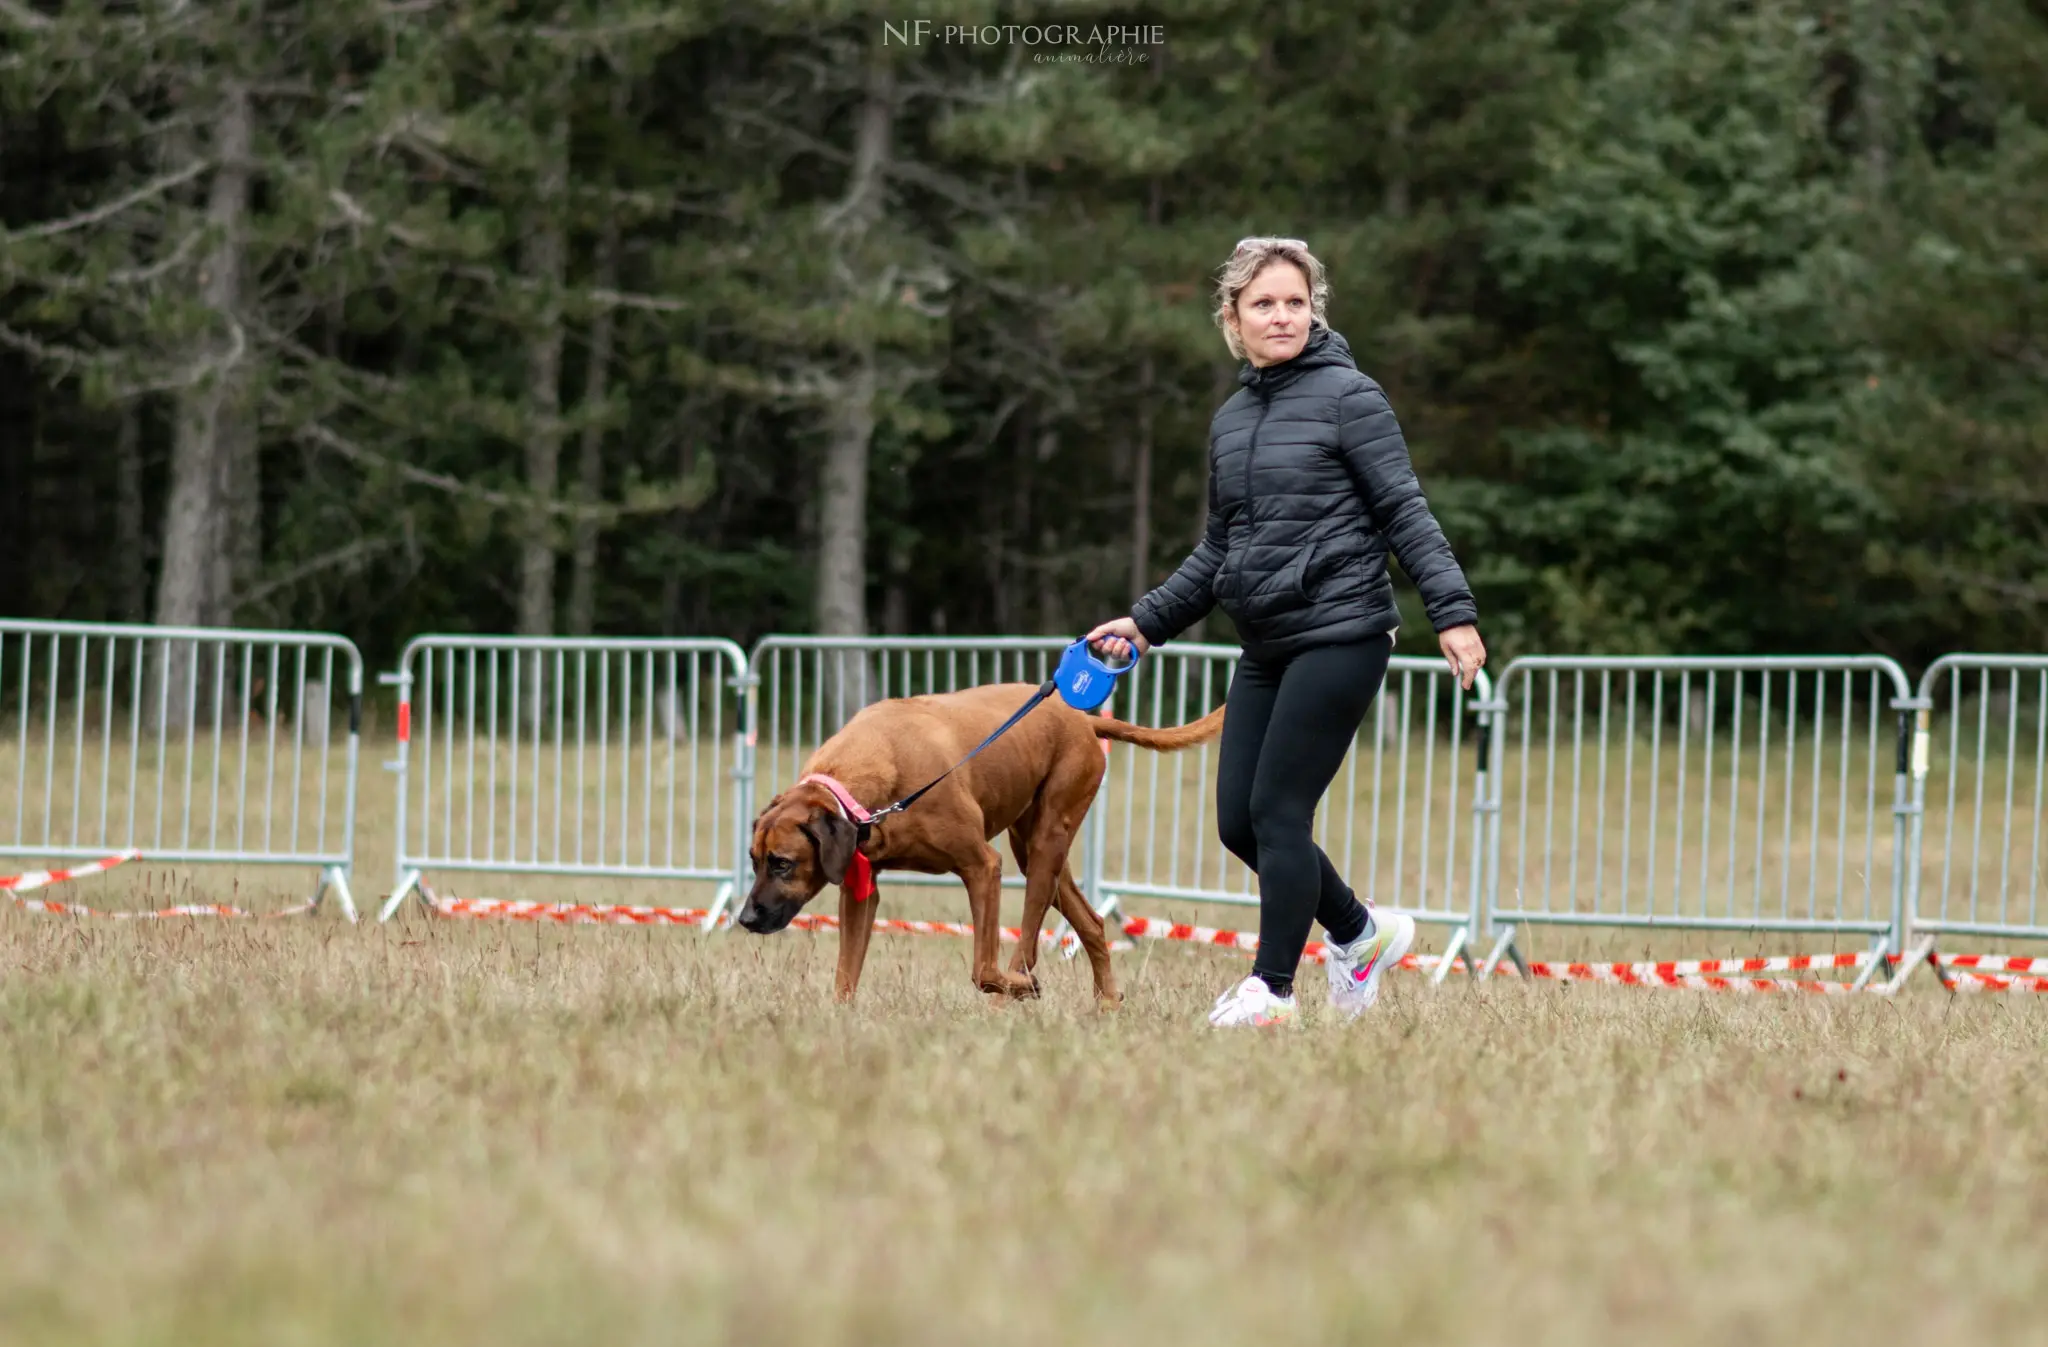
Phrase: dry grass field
(301, 1132)
(296, 1132)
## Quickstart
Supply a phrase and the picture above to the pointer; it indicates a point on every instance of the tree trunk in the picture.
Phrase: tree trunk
(1005, 525)
(195, 533)
(843, 484)
(1398, 72)
(543, 263)
(1395, 201)
(239, 556)
(197, 548)
(681, 522)
(590, 451)
(1140, 579)
(896, 598)
(1046, 564)
(1872, 70)
(19, 397)
(842, 577)
(1141, 489)
(131, 585)
(842, 508)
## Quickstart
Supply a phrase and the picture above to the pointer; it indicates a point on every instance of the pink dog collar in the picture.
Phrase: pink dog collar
(859, 882)
(853, 808)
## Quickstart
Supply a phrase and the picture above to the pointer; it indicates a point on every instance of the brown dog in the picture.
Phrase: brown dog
(1036, 783)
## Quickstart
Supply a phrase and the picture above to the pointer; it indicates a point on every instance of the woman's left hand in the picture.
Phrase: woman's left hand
(1465, 652)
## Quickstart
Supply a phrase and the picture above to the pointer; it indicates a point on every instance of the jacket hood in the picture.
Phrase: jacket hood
(1325, 346)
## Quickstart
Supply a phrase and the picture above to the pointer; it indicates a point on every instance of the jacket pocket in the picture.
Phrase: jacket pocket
(1226, 575)
(1302, 574)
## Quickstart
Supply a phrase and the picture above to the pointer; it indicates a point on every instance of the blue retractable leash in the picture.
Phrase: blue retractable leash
(1082, 681)
(1085, 682)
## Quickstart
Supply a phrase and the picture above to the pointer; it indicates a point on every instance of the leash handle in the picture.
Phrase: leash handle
(1084, 680)
(1114, 671)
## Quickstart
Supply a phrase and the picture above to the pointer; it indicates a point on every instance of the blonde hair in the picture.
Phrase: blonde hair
(1254, 255)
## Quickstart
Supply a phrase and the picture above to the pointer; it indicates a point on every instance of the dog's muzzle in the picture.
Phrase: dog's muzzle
(766, 916)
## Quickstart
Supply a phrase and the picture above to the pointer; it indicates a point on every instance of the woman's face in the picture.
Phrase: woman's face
(1271, 316)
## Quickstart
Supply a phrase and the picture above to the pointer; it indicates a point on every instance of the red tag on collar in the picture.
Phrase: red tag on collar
(860, 878)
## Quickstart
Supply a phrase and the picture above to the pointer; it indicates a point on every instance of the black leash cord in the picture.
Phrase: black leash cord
(1045, 689)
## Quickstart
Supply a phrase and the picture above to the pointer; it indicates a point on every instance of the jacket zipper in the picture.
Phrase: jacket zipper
(1250, 452)
(1251, 449)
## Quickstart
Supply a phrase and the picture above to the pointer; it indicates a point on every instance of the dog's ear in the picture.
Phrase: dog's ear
(835, 839)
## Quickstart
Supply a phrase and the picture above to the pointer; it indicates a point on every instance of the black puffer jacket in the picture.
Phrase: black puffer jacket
(1309, 487)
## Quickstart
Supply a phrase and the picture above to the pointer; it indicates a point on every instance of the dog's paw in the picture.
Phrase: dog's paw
(1011, 986)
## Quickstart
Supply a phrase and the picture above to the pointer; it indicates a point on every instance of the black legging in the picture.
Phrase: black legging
(1288, 728)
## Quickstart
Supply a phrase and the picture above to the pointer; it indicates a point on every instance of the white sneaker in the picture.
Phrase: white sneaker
(1355, 969)
(1252, 1002)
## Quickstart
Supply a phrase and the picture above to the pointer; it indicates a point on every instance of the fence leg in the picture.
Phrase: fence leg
(1505, 945)
(1113, 918)
(1459, 948)
(399, 893)
(1911, 960)
(1933, 960)
(1111, 912)
(1880, 951)
(336, 878)
(715, 919)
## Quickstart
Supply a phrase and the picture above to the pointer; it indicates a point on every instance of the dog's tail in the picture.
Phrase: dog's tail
(1167, 740)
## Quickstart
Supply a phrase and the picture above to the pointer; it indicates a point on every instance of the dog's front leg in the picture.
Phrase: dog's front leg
(984, 879)
(856, 927)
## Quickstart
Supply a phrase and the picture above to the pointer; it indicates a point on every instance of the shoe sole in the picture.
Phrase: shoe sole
(1280, 1022)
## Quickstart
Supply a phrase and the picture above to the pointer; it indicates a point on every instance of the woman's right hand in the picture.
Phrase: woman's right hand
(1117, 638)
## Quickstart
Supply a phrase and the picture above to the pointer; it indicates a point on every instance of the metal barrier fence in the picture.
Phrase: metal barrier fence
(1397, 821)
(199, 745)
(2004, 701)
(1725, 793)
(1682, 809)
(570, 757)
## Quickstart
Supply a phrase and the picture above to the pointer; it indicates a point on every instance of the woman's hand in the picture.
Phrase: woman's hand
(1465, 652)
(1117, 637)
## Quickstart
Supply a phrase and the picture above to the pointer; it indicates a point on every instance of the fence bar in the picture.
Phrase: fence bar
(2005, 757)
(219, 813)
(1754, 781)
(515, 693)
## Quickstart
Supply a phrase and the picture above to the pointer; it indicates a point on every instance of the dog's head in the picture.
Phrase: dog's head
(801, 843)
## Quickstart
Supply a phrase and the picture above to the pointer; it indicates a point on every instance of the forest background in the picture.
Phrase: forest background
(1714, 327)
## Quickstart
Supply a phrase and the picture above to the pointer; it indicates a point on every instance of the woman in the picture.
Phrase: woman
(1310, 487)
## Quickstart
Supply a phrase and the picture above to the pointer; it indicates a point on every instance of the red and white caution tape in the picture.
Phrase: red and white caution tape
(37, 879)
(1654, 975)
(1730, 975)
(1738, 974)
(566, 914)
(615, 914)
(1989, 982)
(155, 914)
(1782, 963)
(1984, 965)
(1676, 973)
(1153, 928)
